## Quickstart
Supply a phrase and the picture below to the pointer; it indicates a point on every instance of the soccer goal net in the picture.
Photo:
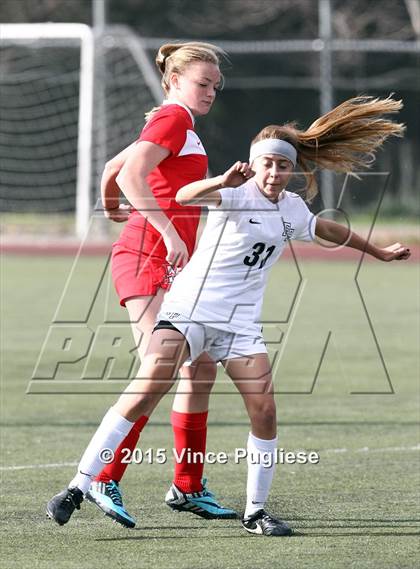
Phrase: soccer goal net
(68, 101)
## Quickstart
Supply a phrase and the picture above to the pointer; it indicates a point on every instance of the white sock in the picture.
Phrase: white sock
(260, 452)
(110, 433)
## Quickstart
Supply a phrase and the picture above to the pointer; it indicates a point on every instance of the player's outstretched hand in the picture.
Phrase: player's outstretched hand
(395, 252)
(118, 214)
(237, 175)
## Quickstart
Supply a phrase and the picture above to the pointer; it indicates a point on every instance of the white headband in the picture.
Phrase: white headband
(273, 146)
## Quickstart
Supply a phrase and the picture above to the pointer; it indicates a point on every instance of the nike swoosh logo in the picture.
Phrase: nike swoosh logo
(253, 221)
(258, 529)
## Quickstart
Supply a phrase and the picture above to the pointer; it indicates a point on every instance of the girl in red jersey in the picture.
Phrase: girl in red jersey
(159, 236)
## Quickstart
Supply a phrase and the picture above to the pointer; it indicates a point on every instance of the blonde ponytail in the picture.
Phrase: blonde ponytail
(343, 140)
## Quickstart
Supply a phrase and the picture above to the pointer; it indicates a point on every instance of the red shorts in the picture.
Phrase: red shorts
(138, 260)
(137, 274)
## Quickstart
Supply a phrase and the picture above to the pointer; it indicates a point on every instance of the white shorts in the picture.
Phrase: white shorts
(219, 344)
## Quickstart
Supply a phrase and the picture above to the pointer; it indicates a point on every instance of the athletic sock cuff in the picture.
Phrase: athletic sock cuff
(191, 421)
(116, 422)
(140, 424)
(264, 445)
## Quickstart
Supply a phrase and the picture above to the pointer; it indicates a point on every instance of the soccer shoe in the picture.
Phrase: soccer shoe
(262, 523)
(107, 496)
(61, 506)
(202, 504)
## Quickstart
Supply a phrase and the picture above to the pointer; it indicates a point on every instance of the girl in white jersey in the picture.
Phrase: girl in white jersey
(214, 304)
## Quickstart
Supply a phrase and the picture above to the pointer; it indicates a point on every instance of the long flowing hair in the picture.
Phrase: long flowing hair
(343, 140)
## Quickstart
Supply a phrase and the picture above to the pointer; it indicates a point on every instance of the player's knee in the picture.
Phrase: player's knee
(264, 415)
(206, 376)
(203, 381)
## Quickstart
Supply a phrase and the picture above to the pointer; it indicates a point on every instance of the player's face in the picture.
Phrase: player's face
(272, 173)
(197, 86)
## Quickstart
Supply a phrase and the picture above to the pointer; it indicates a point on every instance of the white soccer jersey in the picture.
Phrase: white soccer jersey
(223, 283)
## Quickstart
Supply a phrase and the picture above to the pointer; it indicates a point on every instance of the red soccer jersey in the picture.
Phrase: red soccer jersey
(172, 127)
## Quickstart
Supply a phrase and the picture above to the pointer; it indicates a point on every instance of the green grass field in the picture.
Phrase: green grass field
(359, 507)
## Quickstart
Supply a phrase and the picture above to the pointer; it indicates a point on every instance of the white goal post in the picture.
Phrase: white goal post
(23, 33)
(70, 97)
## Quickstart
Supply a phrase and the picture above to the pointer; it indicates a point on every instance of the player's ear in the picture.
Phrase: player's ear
(174, 80)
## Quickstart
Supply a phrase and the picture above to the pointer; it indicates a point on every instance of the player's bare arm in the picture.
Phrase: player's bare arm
(206, 191)
(132, 180)
(336, 233)
(110, 190)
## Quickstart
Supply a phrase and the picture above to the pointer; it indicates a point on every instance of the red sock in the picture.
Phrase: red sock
(115, 470)
(190, 432)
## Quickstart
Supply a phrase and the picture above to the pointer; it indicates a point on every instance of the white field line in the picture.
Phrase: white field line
(34, 466)
(367, 449)
(320, 451)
